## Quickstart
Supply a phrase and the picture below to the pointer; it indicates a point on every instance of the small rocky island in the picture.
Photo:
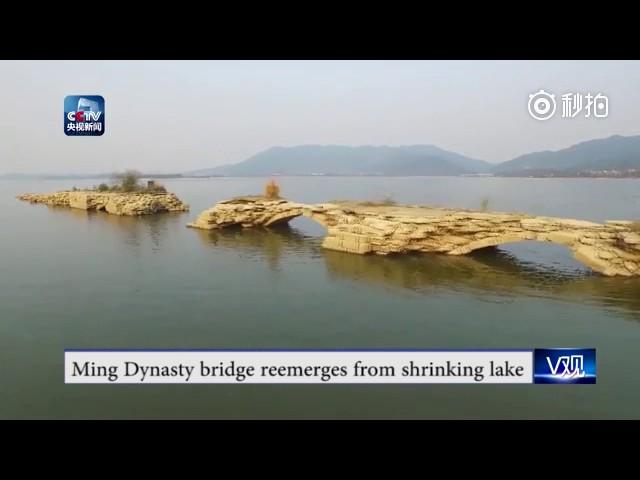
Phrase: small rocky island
(125, 197)
(131, 204)
(612, 248)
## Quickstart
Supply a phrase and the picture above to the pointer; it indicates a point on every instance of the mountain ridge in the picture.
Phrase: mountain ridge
(352, 160)
(613, 155)
(616, 152)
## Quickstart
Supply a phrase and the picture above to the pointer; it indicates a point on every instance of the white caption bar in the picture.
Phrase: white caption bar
(301, 367)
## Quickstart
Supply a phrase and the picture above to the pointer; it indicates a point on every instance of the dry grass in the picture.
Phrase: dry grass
(137, 188)
(272, 190)
(157, 188)
(384, 202)
(635, 226)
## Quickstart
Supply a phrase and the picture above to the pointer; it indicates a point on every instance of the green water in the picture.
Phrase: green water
(74, 279)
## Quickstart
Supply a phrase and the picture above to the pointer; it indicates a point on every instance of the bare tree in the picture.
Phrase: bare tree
(127, 181)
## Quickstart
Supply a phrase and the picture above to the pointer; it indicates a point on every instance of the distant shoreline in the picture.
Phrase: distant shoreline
(179, 176)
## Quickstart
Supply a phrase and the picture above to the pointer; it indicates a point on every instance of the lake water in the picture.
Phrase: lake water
(75, 279)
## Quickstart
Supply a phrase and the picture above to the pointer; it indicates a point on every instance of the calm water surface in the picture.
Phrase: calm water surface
(74, 279)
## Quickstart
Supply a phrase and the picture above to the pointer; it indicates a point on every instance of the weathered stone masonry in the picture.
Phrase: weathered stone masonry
(611, 248)
(130, 204)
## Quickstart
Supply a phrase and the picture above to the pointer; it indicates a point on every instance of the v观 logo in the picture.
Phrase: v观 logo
(572, 366)
(565, 365)
(84, 115)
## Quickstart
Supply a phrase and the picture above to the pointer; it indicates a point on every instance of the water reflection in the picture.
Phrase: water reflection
(488, 271)
(485, 272)
(145, 230)
(262, 244)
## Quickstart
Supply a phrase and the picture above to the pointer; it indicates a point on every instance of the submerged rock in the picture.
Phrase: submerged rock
(116, 203)
(611, 249)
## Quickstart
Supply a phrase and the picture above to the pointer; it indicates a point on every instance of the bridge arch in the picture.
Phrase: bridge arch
(566, 239)
(287, 216)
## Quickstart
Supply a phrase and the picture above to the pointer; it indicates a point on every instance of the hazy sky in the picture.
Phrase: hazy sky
(169, 116)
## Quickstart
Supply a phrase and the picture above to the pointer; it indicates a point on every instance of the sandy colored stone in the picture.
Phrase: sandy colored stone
(562, 237)
(606, 255)
(130, 204)
(60, 199)
(631, 238)
(611, 248)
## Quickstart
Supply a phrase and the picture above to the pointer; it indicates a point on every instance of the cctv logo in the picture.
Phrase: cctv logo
(572, 366)
(84, 115)
(564, 365)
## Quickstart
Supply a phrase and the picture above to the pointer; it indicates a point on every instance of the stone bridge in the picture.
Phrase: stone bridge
(612, 248)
